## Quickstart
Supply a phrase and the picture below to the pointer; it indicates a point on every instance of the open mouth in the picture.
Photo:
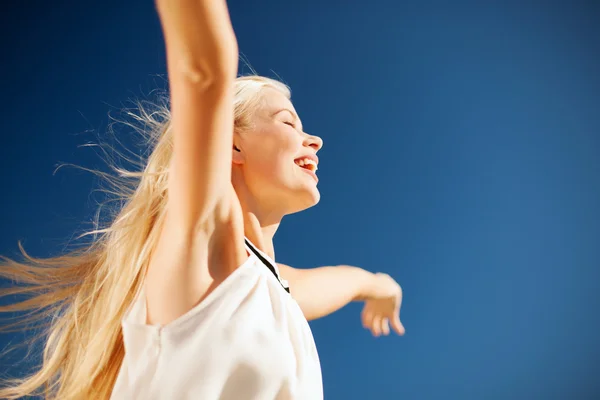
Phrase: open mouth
(306, 163)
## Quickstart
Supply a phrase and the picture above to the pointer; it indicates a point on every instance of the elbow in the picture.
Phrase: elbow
(206, 73)
(225, 63)
(218, 60)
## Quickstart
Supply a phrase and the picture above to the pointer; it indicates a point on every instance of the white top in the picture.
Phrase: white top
(247, 340)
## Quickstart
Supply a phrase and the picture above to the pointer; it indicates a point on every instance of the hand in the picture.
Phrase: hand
(382, 306)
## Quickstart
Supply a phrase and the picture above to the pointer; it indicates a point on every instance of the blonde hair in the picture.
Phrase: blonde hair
(80, 297)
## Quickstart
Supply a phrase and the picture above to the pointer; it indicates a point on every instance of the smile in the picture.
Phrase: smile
(309, 165)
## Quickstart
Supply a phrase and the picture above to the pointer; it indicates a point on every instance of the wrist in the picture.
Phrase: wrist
(368, 283)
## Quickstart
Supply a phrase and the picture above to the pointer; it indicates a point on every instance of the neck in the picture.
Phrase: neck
(260, 235)
(260, 222)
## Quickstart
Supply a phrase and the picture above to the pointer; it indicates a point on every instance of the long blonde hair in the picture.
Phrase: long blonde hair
(81, 297)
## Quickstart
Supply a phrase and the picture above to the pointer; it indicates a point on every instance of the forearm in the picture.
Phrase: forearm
(322, 291)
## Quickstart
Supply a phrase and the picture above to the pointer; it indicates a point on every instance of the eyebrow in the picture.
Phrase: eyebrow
(293, 114)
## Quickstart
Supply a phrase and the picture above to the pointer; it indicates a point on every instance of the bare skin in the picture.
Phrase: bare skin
(225, 185)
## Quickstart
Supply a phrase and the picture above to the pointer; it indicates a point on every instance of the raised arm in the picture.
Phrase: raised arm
(202, 60)
(202, 65)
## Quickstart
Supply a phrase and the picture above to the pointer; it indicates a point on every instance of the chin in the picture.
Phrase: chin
(304, 199)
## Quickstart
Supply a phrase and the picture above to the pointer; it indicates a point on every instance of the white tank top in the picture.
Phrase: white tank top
(247, 340)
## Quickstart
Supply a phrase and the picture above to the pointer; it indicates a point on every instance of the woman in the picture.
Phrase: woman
(180, 296)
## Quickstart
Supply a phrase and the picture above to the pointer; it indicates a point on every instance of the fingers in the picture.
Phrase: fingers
(397, 325)
(379, 323)
(376, 325)
(385, 326)
(367, 318)
(371, 321)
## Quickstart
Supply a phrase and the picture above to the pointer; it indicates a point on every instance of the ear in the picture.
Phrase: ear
(237, 156)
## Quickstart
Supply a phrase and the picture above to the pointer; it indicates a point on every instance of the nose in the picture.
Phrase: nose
(313, 141)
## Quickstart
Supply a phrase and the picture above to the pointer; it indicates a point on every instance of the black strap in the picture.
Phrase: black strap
(265, 262)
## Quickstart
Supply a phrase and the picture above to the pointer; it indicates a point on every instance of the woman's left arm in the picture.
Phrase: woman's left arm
(322, 291)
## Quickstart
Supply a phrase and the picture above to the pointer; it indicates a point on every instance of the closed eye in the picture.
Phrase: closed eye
(290, 124)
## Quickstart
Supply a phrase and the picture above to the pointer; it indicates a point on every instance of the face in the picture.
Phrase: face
(277, 158)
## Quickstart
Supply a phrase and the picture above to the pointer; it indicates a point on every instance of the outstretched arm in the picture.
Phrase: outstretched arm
(322, 291)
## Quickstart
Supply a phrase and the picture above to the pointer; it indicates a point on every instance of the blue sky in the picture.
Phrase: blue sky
(461, 156)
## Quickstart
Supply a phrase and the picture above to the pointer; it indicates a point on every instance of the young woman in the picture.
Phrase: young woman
(179, 298)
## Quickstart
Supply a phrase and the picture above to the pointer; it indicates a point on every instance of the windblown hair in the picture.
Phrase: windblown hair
(80, 298)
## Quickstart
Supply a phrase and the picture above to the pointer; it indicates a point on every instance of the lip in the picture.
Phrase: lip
(308, 171)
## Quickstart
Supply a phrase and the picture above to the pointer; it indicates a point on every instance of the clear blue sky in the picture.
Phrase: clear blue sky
(461, 156)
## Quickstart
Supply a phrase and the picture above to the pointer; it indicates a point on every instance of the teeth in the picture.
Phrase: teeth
(307, 162)
(312, 165)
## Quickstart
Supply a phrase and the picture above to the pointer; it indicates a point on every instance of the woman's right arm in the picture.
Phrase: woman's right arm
(202, 59)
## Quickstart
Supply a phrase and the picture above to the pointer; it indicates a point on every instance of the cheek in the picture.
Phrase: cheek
(276, 154)
(276, 164)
